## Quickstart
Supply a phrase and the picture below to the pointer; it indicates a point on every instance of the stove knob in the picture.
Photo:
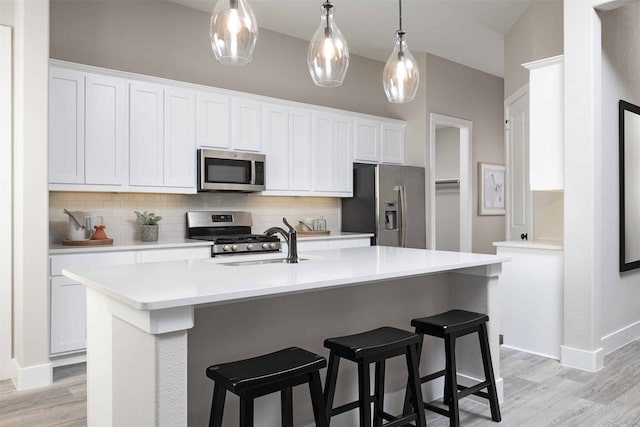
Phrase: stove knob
(234, 248)
(265, 246)
(272, 245)
(226, 248)
(249, 246)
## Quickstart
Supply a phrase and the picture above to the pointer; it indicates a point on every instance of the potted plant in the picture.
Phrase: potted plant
(149, 222)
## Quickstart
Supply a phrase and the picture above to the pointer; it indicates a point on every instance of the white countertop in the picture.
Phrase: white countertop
(554, 245)
(153, 286)
(135, 245)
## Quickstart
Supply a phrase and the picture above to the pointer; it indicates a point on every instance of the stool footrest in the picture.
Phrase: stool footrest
(402, 421)
(433, 376)
(436, 409)
(347, 407)
(466, 391)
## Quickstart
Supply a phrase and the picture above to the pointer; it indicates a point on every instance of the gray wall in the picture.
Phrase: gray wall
(163, 39)
(620, 80)
(459, 91)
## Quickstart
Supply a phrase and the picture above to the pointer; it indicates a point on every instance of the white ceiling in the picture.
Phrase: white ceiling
(470, 32)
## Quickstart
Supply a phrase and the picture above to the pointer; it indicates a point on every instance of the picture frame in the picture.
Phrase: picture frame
(491, 190)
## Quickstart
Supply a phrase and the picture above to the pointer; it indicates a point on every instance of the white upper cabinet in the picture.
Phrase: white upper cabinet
(546, 123)
(105, 130)
(276, 145)
(343, 158)
(392, 143)
(179, 138)
(299, 149)
(214, 120)
(378, 141)
(323, 149)
(146, 135)
(246, 128)
(367, 140)
(332, 160)
(66, 126)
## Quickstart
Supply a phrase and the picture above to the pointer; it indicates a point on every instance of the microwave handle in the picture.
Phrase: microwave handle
(253, 173)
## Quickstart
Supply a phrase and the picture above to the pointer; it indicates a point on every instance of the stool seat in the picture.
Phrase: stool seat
(374, 342)
(450, 322)
(263, 370)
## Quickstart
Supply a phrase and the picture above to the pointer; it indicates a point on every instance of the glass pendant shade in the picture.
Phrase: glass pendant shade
(401, 76)
(328, 54)
(234, 31)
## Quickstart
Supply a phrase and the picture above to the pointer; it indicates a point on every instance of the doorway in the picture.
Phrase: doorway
(450, 183)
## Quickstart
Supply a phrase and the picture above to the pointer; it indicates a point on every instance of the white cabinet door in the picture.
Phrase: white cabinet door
(68, 315)
(276, 145)
(367, 140)
(299, 149)
(146, 140)
(105, 130)
(245, 125)
(343, 161)
(66, 126)
(214, 120)
(323, 152)
(179, 138)
(392, 143)
(174, 254)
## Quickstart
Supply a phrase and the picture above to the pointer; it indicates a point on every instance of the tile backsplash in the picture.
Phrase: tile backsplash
(122, 224)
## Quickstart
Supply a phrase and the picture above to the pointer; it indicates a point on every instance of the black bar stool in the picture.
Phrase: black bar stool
(374, 347)
(451, 325)
(258, 376)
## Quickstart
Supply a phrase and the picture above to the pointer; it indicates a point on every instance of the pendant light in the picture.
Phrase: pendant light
(234, 31)
(401, 76)
(328, 54)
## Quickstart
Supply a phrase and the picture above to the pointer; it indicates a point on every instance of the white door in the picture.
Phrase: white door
(105, 130)
(323, 148)
(214, 120)
(392, 143)
(245, 125)
(68, 315)
(299, 150)
(179, 139)
(146, 142)
(366, 144)
(518, 217)
(276, 145)
(342, 161)
(66, 126)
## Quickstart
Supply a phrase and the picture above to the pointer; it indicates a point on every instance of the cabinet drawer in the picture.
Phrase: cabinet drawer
(179, 254)
(59, 262)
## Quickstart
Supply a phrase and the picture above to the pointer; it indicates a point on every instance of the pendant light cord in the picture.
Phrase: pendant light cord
(400, 14)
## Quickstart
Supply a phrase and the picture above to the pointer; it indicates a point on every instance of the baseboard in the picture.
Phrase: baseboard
(68, 359)
(548, 356)
(621, 337)
(591, 361)
(33, 376)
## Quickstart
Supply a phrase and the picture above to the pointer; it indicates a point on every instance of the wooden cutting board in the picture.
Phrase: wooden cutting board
(313, 233)
(101, 242)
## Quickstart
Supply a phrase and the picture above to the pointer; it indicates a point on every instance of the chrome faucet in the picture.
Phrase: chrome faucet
(291, 237)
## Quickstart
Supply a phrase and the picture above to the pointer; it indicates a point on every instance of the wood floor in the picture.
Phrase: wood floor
(538, 392)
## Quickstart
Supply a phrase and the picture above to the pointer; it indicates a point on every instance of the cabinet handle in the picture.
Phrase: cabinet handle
(524, 236)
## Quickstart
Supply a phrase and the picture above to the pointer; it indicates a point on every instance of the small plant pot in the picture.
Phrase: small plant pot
(149, 233)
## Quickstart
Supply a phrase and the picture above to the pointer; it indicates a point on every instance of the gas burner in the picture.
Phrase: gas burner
(230, 233)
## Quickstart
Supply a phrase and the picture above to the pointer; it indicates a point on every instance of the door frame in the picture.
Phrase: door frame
(466, 178)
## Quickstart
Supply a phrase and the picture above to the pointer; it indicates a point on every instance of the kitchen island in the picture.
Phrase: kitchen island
(153, 328)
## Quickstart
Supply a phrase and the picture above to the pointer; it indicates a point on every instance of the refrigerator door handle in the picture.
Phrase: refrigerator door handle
(403, 216)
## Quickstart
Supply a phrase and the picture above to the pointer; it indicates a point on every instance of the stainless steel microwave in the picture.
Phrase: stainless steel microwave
(220, 170)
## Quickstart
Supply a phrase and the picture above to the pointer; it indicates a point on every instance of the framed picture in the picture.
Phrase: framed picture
(491, 189)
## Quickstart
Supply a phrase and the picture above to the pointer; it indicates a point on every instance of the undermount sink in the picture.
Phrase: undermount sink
(264, 261)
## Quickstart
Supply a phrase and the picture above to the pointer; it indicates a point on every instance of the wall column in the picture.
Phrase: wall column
(30, 194)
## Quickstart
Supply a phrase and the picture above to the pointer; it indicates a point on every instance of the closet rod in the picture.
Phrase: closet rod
(447, 181)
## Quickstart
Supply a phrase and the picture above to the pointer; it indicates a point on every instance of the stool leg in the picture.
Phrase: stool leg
(246, 411)
(451, 375)
(446, 398)
(407, 408)
(488, 373)
(217, 406)
(286, 404)
(317, 400)
(364, 391)
(378, 403)
(330, 384)
(414, 380)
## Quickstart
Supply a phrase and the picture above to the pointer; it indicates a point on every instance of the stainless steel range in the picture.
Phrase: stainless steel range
(230, 233)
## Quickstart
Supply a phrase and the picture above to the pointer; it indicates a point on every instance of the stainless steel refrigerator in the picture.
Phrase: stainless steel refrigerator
(388, 201)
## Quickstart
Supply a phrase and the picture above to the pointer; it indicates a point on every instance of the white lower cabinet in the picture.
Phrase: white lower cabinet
(68, 317)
